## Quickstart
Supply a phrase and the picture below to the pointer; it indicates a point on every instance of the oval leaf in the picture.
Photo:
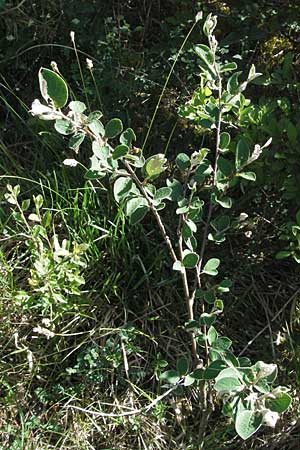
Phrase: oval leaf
(53, 87)
(136, 209)
(127, 137)
(76, 140)
(205, 53)
(122, 188)
(211, 266)
(190, 259)
(96, 127)
(242, 153)
(228, 384)
(64, 127)
(113, 128)
(120, 151)
(78, 107)
(247, 423)
(279, 404)
(224, 140)
(214, 369)
(170, 376)
(155, 165)
(182, 161)
(182, 366)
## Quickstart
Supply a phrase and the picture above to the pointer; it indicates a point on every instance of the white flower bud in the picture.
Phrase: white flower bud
(89, 63)
(70, 162)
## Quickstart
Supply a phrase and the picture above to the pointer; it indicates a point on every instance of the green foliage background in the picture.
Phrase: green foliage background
(130, 306)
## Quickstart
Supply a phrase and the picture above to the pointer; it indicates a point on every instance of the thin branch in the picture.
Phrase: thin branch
(153, 210)
(7, 11)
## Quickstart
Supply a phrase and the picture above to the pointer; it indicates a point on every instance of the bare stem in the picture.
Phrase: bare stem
(153, 210)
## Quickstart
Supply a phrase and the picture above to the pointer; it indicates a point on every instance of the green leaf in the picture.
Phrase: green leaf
(225, 166)
(188, 380)
(244, 361)
(170, 376)
(262, 386)
(64, 127)
(177, 265)
(95, 115)
(38, 201)
(225, 202)
(209, 297)
(229, 357)
(136, 209)
(228, 384)
(252, 74)
(190, 259)
(78, 107)
(113, 128)
(224, 141)
(279, 404)
(219, 305)
(209, 24)
(176, 188)
(134, 203)
(222, 343)
(298, 217)
(120, 151)
(182, 366)
(100, 151)
(34, 217)
(283, 254)
(211, 266)
(214, 369)
(25, 204)
(247, 423)
(204, 52)
(225, 285)
(155, 165)
(198, 157)
(53, 87)
(127, 137)
(229, 372)
(233, 83)
(138, 215)
(228, 67)
(122, 188)
(182, 161)
(198, 374)
(97, 127)
(192, 226)
(212, 335)
(251, 176)
(163, 193)
(221, 223)
(242, 153)
(76, 140)
(207, 319)
(93, 174)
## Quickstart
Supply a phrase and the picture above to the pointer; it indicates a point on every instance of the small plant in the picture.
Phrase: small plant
(198, 214)
(55, 280)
